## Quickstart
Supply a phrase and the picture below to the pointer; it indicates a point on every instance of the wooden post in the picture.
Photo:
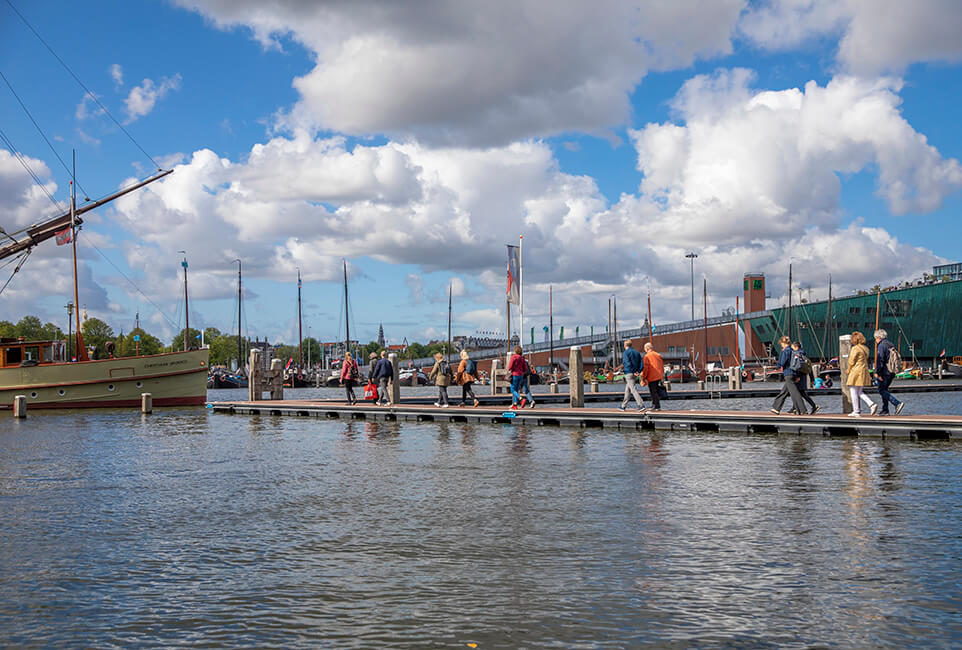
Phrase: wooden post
(254, 381)
(594, 387)
(576, 383)
(146, 403)
(495, 367)
(553, 387)
(277, 379)
(20, 406)
(395, 384)
(844, 347)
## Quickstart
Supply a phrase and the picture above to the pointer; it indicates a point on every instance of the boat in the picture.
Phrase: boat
(45, 374)
(679, 375)
(954, 367)
(404, 377)
(40, 371)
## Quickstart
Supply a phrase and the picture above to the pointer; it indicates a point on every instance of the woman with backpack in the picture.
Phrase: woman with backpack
(858, 376)
(467, 373)
(519, 368)
(441, 374)
(349, 376)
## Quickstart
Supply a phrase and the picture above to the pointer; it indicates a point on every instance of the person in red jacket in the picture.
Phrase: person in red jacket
(518, 367)
(349, 375)
(653, 373)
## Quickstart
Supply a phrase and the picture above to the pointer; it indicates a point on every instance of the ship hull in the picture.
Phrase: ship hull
(173, 379)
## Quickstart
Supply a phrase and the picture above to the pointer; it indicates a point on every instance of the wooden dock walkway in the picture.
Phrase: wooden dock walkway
(755, 422)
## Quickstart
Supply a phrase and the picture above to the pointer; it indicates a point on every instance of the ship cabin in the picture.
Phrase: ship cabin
(15, 353)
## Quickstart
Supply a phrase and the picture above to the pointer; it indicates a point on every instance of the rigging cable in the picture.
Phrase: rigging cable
(39, 130)
(87, 90)
(23, 258)
(19, 156)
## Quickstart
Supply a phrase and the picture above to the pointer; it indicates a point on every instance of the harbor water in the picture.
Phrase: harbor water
(191, 528)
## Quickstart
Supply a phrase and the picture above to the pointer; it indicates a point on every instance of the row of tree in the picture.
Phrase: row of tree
(223, 347)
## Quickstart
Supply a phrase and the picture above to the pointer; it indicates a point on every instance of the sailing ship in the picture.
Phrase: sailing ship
(42, 371)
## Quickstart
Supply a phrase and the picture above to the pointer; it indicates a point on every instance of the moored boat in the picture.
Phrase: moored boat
(39, 371)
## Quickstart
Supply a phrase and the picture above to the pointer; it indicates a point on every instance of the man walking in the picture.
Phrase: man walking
(885, 371)
(652, 373)
(790, 387)
(631, 364)
(383, 374)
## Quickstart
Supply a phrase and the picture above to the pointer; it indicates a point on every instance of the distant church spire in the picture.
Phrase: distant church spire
(380, 335)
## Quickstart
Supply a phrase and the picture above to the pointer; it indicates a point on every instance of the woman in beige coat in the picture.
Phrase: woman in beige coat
(859, 376)
(441, 374)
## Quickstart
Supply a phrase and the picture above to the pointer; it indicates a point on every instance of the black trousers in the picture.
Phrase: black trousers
(654, 388)
(467, 391)
(349, 389)
(803, 390)
(790, 388)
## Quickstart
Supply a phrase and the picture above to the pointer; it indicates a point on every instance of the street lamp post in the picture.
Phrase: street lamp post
(691, 256)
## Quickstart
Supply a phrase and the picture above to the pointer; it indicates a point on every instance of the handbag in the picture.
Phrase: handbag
(370, 392)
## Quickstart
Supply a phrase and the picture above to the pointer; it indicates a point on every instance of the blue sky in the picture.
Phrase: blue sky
(417, 139)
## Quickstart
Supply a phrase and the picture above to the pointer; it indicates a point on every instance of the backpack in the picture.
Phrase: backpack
(894, 364)
(799, 363)
(445, 368)
(471, 368)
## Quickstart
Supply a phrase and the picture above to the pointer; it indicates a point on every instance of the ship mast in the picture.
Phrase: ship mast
(240, 345)
(347, 319)
(81, 350)
(300, 354)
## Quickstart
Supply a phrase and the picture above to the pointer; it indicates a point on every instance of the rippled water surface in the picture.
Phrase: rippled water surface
(192, 528)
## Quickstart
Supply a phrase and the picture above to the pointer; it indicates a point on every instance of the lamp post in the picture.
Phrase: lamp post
(69, 307)
(691, 256)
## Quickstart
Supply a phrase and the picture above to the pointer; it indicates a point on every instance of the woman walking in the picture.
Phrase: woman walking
(467, 373)
(349, 375)
(518, 367)
(441, 374)
(858, 376)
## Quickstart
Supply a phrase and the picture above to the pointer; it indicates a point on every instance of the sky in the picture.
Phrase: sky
(416, 139)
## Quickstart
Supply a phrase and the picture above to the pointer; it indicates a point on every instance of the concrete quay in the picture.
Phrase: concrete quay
(920, 427)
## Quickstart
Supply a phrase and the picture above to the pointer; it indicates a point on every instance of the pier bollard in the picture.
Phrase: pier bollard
(576, 382)
(594, 387)
(146, 403)
(20, 406)
(277, 379)
(395, 383)
(554, 387)
(701, 384)
(844, 348)
(255, 377)
(495, 366)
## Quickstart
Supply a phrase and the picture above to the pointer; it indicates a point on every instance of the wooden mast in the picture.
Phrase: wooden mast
(81, 349)
(240, 345)
(347, 319)
(300, 353)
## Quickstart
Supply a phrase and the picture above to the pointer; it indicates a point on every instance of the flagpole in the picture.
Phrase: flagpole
(521, 290)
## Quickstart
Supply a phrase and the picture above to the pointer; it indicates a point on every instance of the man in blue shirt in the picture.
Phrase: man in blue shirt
(883, 374)
(383, 374)
(790, 387)
(631, 363)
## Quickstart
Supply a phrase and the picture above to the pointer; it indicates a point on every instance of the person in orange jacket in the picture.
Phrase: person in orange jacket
(652, 373)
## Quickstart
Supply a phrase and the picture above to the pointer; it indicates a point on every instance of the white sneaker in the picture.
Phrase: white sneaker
(873, 409)
(444, 406)
(853, 414)
(437, 403)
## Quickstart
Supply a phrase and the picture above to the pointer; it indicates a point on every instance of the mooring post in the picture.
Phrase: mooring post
(20, 406)
(395, 384)
(594, 387)
(844, 348)
(495, 365)
(576, 381)
(255, 377)
(146, 403)
(277, 379)
(553, 387)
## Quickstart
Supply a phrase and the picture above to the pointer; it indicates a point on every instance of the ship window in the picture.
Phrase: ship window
(33, 395)
(62, 392)
(48, 353)
(140, 384)
(14, 356)
(32, 353)
(110, 386)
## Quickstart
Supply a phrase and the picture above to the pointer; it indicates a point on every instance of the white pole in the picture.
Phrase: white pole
(521, 289)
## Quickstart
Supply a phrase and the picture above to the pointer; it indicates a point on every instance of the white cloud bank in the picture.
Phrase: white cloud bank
(143, 98)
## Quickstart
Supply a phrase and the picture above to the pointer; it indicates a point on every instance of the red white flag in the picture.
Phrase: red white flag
(514, 268)
(63, 236)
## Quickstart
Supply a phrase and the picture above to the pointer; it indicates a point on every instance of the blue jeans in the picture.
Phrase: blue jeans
(518, 384)
(884, 381)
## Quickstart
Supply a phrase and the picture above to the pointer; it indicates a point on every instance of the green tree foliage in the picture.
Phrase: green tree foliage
(7, 329)
(178, 343)
(96, 333)
(312, 351)
(148, 344)
(223, 349)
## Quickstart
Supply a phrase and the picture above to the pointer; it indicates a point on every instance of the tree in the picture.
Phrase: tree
(223, 348)
(7, 329)
(312, 350)
(50, 332)
(148, 344)
(178, 343)
(96, 333)
(30, 328)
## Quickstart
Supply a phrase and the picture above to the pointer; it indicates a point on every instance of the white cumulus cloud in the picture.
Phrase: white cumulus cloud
(142, 99)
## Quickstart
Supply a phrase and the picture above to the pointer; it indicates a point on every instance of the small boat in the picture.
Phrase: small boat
(404, 377)
(679, 375)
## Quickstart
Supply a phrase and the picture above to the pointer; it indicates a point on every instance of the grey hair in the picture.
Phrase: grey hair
(649, 346)
(881, 334)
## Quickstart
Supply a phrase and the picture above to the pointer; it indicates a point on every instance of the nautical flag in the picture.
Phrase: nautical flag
(63, 236)
(943, 353)
(514, 274)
